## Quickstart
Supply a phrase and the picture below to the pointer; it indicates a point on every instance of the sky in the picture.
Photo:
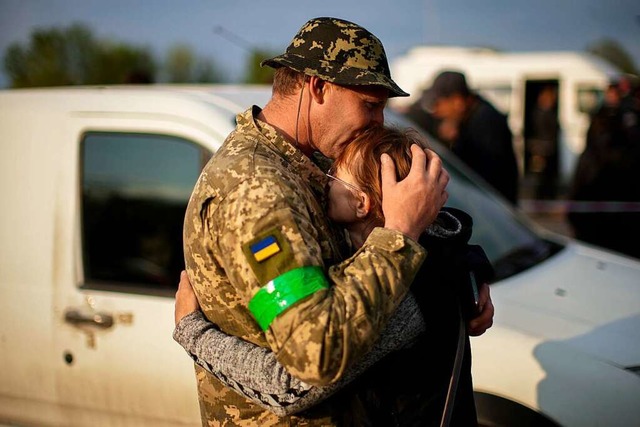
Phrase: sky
(511, 25)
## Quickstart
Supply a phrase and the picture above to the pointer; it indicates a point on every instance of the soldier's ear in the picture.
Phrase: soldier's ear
(317, 88)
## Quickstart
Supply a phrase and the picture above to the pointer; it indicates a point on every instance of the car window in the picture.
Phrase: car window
(507, 239)
(135, 188)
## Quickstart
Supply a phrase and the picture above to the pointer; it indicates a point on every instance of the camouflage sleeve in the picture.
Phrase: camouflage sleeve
(319, 336)
(322, 336)
(254, 372)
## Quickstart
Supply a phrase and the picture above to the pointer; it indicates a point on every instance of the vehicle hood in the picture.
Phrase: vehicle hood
(582, 297)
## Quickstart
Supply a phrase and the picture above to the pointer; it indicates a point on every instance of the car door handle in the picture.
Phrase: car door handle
(78, 318)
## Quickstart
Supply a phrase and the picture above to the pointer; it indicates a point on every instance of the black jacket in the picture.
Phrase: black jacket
(485, 144)
(409, 387)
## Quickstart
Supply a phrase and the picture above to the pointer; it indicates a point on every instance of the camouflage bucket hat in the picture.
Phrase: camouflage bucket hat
(340, 52)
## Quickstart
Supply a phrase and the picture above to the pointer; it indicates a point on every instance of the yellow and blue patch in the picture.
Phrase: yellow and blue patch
(269, 254)
(265, 248)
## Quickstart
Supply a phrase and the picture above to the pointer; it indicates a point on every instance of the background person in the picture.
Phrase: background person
(606, 173)
(410, 384)
(265, 262)
(483, 139)
(542, 143)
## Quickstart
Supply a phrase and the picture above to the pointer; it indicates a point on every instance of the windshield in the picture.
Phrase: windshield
(508, 241)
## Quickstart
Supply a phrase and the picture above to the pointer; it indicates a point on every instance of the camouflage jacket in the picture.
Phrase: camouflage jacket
(257, 188)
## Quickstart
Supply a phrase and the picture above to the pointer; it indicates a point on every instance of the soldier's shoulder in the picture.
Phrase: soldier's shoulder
(240, 159)
(242, 146)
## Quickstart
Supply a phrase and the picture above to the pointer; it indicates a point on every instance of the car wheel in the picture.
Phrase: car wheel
(495, 411)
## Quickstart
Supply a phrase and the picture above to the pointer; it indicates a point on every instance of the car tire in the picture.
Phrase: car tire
(495, 411)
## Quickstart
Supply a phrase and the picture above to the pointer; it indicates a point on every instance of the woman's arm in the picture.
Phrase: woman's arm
(232, 357)
(254, 372)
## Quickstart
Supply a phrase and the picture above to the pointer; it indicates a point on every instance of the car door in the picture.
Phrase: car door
(118, 363)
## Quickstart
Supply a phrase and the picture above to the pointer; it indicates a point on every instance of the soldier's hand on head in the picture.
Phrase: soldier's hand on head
(186, 301)
(412, 204)
(484, 320)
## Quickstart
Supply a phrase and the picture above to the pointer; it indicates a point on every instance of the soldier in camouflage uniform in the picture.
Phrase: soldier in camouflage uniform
(266, 263)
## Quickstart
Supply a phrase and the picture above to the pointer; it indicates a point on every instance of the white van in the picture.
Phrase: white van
(511, 81)
(94, 183)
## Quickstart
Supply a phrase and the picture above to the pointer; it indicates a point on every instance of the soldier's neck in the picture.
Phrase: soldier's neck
(282, 115)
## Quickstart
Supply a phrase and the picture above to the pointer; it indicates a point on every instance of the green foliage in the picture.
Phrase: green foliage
(73, 56)
(183, 66)
(255, 73)
(122, 63)
(54, 57)
(613, 52)
(205, 72)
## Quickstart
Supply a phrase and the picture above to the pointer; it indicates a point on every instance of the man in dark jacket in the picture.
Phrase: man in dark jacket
(606, 172)
(482, 139)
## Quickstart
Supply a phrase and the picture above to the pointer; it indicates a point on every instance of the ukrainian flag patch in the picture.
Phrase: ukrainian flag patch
(265, 248)
(268, 253)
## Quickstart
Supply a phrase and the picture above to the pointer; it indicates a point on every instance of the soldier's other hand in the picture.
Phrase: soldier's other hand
(186, 301)
(412, 204)
(484, 320)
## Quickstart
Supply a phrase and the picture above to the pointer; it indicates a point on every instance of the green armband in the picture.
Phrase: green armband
(284, 291)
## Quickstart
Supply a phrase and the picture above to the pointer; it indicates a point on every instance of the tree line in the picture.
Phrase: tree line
(75, 56)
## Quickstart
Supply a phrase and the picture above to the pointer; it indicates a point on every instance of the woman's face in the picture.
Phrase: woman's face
(343, 196)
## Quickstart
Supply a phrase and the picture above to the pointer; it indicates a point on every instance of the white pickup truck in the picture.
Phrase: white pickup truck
(94, 182)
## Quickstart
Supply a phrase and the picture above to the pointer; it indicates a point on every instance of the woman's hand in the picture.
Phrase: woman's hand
(186, 301)
(484, 320)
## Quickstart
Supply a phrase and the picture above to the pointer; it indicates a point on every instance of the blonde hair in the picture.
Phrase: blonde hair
(362, 158)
